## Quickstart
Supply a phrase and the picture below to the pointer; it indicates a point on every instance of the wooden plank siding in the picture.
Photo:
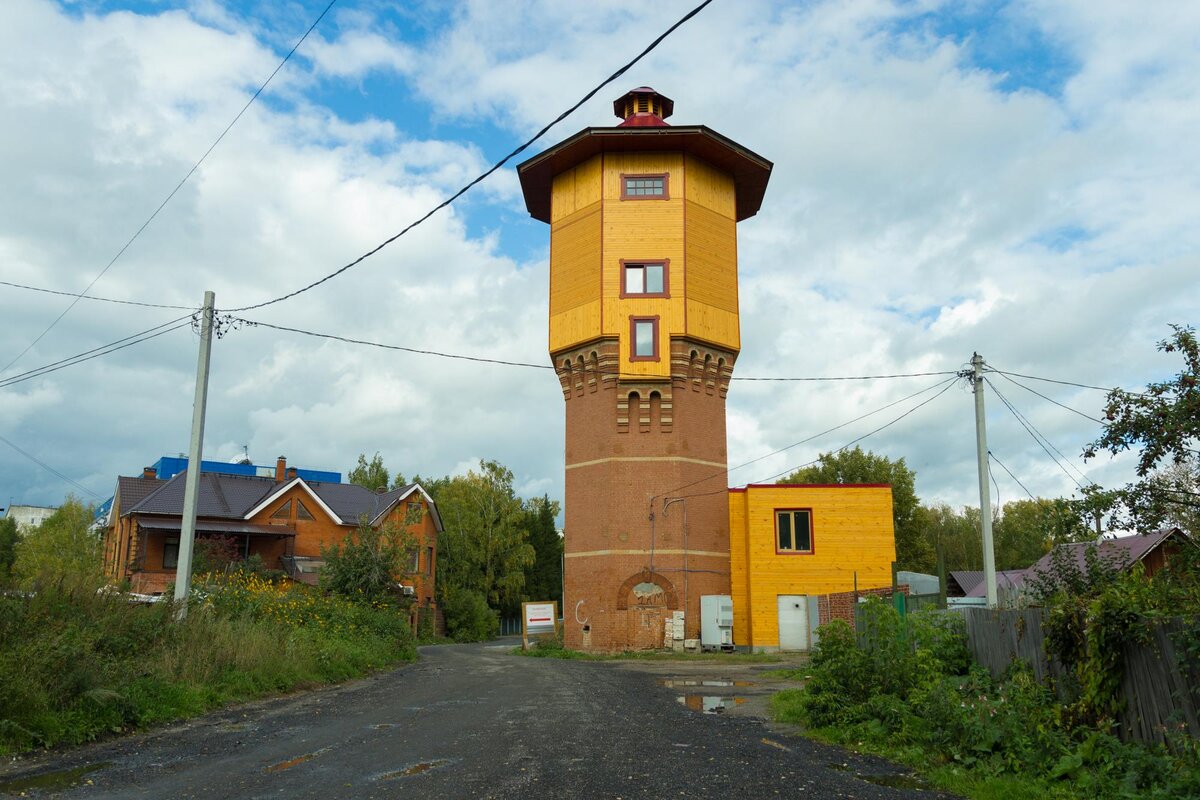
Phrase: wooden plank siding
(593, 230)
(852, 534)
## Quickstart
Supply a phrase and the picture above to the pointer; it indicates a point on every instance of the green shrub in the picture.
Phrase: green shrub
(468, 616)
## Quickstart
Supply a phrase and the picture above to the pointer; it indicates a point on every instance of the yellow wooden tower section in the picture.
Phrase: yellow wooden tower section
(643, 332)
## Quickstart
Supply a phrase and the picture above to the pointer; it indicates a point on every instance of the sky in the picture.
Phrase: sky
(1018, 179)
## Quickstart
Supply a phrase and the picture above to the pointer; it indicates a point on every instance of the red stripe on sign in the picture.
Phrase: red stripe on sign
(539, 619)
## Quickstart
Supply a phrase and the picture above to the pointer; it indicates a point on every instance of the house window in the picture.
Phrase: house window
(302, 512)
(284, 511)
(428, 560)
(793, 530)
(171, 553)
(644, 279)
(414, 565)
(643, 336)
(644, 187)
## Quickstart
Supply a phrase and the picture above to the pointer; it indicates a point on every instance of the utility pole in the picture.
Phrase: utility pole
(985, 499)
(191, 486)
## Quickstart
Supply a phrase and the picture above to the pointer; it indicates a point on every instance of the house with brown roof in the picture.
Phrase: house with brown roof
(284, 519)
(1152, 550)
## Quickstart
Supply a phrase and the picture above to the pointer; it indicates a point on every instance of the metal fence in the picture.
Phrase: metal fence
(1160, 683)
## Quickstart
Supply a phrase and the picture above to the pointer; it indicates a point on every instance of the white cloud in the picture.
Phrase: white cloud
(917, 212)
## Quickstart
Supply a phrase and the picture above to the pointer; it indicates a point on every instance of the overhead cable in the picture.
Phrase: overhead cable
(94, 298)
(945, 387)
(530, 365)
(172, 193)
(1050, 399)
(50, 469)
(545, 129)
(1038, 437)
(97, 352)
(992, 457)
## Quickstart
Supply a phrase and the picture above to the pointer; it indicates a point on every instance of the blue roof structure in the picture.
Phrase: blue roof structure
(168, 467)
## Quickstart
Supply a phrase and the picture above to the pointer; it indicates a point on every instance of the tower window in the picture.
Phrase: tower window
(644, 187)
(643, 333)
(648, 278)
(793, 530)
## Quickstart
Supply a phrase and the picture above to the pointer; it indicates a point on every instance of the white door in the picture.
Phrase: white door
(793, 622)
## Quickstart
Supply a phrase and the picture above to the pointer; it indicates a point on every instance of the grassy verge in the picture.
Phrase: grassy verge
(555, 649)
(76, 665)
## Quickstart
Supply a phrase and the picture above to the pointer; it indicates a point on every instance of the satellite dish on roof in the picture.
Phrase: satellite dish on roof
(242, 457)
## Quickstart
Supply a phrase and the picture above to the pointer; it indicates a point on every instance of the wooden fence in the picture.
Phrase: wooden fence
(1161, 689)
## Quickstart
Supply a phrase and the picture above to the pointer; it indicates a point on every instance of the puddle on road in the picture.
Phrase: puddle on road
(909, 781)
(51, 781)
(413, 769)
(291, 762)
(384, 726)
(681, 683)
(709, 704)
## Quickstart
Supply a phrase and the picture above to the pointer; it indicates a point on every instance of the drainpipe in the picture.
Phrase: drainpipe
(667, 505)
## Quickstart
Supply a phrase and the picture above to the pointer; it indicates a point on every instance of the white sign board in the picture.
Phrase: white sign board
(538, 619)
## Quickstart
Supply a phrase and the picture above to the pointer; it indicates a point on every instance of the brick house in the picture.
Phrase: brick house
(801, 555)
(284, 519)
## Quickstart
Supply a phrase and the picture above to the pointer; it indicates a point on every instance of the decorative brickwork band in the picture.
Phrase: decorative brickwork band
(701, 367)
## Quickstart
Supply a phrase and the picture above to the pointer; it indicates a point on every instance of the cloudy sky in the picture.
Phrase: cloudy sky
(1021, 179)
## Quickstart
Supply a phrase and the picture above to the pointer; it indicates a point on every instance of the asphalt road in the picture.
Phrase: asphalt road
(475, 721)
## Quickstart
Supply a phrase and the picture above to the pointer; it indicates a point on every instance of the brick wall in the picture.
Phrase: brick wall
(842, 604)
(624, 455)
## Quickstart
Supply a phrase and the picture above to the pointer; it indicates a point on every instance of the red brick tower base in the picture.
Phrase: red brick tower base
(647, 514)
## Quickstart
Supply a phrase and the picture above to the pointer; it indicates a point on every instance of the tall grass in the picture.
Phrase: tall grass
(76, 665)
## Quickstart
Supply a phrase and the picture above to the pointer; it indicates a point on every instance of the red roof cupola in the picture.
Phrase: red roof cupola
(643, 108)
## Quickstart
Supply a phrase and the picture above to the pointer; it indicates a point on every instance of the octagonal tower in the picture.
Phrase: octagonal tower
(643, 335)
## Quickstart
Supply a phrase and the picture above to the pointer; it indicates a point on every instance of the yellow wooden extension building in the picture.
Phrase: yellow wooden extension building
(797, 554)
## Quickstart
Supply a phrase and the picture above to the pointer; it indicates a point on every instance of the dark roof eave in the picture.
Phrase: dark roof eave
(750, 171)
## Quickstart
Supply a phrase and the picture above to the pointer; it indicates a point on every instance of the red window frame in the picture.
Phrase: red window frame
(633, 354)
(666, 179)
(665, 263)
(812, 533)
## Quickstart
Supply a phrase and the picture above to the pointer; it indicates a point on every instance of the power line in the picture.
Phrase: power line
(173, 192)
(529, 365)
(92, 297)
(945, 387)
(1038, 436)
(97, 352)
(1010, 474)
(1063, 383)
(858, 377)
(825, 432)
(1051, 399)
(50, 469)
(487, 172)
(995, 485)
(886, 425)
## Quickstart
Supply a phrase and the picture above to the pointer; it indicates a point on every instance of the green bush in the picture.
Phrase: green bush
(468, 616)
(905, 687)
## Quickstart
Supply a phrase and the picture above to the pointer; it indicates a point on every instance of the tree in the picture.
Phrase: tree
(543, 578)
(956, 531)
(485, 545)
(8, 547)
(63, 548)
(861, 466)
(1164, 423)
(372, 475)
(367, 563)
(1027, 529)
